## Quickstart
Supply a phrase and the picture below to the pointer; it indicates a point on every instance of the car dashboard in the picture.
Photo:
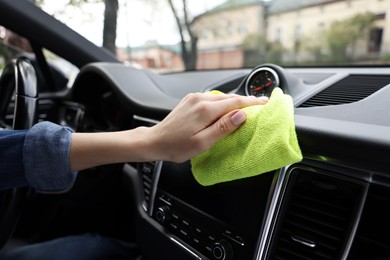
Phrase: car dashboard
(331, 205)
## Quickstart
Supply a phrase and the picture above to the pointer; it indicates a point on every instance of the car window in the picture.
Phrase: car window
(13, 45)
(10, 46)
(198, 35)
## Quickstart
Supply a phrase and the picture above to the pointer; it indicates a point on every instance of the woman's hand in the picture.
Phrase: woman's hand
(199, 121)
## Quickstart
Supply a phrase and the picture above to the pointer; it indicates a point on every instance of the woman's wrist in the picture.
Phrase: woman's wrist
(94, 149)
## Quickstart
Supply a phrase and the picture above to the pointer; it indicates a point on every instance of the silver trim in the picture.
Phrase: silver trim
(186, 248)
(156, 177)
(165, 201)
(233, 239)
(356, 224)
(145, 119)
(303, 241)
(269, 224)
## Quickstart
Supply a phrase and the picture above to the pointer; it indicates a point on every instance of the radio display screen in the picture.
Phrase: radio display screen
(239, 204)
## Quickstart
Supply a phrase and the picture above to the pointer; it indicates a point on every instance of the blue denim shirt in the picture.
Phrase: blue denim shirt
(38, 157)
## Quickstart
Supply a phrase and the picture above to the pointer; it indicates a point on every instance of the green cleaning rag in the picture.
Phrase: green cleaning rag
(266, 141)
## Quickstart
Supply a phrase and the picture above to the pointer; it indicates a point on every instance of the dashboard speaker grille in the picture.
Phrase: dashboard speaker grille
(317, 216)
(351, 89)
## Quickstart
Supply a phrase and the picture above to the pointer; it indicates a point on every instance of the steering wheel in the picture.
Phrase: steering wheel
(18, 88)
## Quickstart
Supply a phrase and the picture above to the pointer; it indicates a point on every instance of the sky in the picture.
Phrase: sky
(138, 22)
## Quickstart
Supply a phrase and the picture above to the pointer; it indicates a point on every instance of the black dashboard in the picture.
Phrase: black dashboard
(329, 206)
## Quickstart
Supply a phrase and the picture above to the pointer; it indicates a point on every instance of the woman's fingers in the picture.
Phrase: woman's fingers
(230, 103)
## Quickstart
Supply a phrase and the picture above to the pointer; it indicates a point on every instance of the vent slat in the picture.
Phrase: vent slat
(349, 90)
(324, 223)
(326, 236)
(316, 211)
(325, 247)
(338, 205)
(319, 254)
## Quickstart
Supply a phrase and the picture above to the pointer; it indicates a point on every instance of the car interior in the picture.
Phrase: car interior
(331, 205)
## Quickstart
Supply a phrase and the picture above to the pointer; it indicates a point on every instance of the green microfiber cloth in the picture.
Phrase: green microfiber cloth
(266, 141)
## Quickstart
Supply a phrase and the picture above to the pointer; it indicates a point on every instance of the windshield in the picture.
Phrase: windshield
(177, 35)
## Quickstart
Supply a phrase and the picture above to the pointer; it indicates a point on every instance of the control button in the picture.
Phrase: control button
(173, 226)
(163, 214)
(183, 232)
(218, 253)
(175, 216)
(222, 250)
(186, 223)
(235, 238)
(228, 232)
(165, 197)
(240, 240)
(166, 200)
(198, 230)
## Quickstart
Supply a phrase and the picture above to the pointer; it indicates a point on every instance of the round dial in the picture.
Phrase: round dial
(261, 82)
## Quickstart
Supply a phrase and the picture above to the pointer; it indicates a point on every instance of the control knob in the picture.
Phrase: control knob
(163, 214)
(222, 250)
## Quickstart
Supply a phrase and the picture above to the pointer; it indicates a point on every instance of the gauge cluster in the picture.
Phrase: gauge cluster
(261, 82)
(263, 79)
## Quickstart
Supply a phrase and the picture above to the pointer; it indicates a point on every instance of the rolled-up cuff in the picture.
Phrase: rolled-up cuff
(46, 154)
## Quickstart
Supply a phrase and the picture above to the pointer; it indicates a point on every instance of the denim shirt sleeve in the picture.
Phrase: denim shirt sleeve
(46, 154)
(11, 157)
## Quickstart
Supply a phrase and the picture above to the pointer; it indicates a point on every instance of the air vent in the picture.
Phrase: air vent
(317, 216)
(372, 239)
(147, 170)
(45, 107)
(351, 89)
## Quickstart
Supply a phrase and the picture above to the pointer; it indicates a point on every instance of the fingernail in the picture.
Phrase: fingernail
(238, 118)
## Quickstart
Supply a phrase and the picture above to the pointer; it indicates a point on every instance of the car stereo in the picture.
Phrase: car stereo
(222, 221)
